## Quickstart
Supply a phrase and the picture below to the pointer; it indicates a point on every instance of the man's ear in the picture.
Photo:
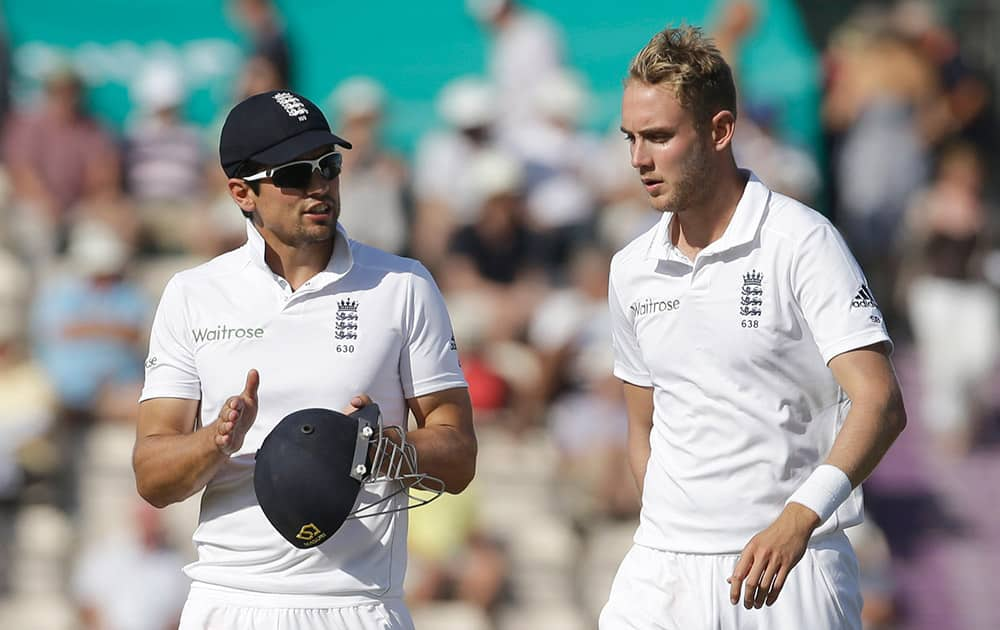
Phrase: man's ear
(242, 194)
(723, 126)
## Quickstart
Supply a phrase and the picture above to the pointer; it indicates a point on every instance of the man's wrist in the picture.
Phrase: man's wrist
(823, 491)
(212, 434)
(802, 516)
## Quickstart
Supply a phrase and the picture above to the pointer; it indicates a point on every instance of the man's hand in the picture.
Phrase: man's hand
(237, 416)
(357, 402)
(770, 556)
(363, 400)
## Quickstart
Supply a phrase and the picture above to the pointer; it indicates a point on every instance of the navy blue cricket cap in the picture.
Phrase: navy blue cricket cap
(307, 477)
(272, 128)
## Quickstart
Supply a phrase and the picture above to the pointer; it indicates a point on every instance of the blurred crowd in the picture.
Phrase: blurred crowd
(516, 207)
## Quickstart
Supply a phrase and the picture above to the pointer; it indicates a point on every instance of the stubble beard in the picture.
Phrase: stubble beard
(694, 184)
(306, 234)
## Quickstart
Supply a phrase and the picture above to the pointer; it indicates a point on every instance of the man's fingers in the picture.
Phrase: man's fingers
(779, 583)
(253, 382)
(739, 573)
(359, 401)
(231, 410)
(764, 586)
(753, 582)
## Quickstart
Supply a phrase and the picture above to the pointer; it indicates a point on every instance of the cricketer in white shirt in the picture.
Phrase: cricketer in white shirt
(736, 350)
(735, 347)
(370, 323)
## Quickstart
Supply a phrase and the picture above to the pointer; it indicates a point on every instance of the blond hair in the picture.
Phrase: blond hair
(689, 63)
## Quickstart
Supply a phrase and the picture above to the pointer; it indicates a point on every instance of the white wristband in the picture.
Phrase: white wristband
(823, 491)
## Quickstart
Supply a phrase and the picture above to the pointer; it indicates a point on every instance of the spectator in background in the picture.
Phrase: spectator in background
(498, 250)
(132, 580)
(572, 326)
(563, 178)
(87, 325)
(269, 39)
(966, 109)
(58, 156)
(954, 312)
(164, 157)
(882, 105)
(375, 187)
(165, 160)
(527, 50)
(494, 265)
(445, 199)
(884, 155)
(87, 322)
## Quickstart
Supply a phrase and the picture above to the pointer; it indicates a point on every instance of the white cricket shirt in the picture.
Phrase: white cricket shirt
(735, 346)
(370, 323)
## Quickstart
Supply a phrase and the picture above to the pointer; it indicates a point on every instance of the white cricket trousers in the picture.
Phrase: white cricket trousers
(662, 590)
(208, 609)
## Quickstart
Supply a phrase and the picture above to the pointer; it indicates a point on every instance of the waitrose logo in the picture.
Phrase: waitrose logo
(224, 333)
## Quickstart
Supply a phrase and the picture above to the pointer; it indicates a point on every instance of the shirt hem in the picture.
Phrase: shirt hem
(166, 393)
(854, 342)
(632, 377)
(430, 387)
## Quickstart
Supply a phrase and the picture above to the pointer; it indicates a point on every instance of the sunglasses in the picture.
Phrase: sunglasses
(298, 174)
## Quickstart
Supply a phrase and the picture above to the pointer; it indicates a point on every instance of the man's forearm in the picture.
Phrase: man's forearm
(171, 468)
(638, 457)
(446, 453)
(869, 430)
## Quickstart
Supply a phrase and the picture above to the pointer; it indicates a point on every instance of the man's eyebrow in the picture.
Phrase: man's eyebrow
(648, 131)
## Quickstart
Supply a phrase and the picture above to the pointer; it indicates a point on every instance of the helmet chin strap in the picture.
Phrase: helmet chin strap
(394, 461)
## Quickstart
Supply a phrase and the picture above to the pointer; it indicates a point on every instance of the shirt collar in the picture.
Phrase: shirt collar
(742, 228)
(340, 262)
(660, 247)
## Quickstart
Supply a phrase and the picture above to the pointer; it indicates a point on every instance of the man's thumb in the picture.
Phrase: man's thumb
(253, 382)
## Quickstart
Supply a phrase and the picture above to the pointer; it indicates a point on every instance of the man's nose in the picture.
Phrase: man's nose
(639, 153)
(318, 183)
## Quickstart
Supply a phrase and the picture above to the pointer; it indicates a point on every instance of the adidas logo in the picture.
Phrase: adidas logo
(864, 298)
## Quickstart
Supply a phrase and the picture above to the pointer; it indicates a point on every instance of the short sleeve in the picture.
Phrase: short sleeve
(833, 295)
(171, 371)
(428, 360)
(629, 365)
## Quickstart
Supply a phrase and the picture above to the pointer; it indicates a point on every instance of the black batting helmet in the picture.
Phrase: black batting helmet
(310, 469)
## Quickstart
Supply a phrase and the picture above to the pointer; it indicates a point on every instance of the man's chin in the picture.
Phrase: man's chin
(660, 203)
(317, 232)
